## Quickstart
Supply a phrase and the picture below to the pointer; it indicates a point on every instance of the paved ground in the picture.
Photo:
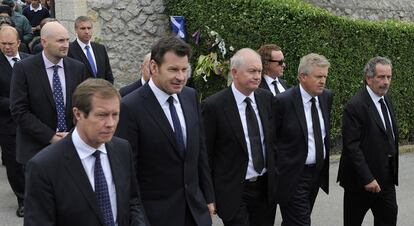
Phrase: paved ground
(327, 212)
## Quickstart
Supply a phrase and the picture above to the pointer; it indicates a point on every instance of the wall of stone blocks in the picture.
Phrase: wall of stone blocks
(127, 28)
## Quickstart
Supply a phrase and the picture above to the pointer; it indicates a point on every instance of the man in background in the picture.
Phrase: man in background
(273, 68)
(93, 55)
(145, 76)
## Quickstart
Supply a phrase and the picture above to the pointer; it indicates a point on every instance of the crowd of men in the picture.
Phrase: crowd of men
(174, 161)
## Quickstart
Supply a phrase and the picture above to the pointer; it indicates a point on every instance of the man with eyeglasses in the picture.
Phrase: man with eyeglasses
(9, 45)
(273, 67)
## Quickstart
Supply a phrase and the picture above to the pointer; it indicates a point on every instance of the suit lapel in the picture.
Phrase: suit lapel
(115, 162)
(392, 114)
(373, 110)
(44, 80)
(78, 50)
(70, 87)
(300, 112)
(98, 57)
(233, 117)
(323, 103)
(189, 117)
(155, 111)
(74, 165)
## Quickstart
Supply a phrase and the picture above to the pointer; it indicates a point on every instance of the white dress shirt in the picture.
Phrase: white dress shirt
(61, 72)
(375, 98)
(85, 153)
(269, 81)
(162, 98)
(241, 106)
(83, 45)
(307, 104)
(11, 61)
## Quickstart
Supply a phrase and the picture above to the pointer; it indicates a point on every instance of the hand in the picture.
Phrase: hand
(58, 136)
(373, 187)
(211, 208)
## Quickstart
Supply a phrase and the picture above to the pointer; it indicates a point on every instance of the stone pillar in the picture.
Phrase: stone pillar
(127, 28)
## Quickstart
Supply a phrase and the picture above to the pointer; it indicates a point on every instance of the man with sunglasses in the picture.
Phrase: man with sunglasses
(273, 67)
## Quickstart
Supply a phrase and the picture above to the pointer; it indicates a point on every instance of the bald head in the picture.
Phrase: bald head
(55, 41)
(9, 41)
(246, 69)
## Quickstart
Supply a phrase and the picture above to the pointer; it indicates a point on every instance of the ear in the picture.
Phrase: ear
(153, 67)
(76, 113)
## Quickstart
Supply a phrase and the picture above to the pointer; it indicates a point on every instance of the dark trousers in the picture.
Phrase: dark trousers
(14, 170)
(189, 219)
(383, 206)
(297, 211)
(254, 209)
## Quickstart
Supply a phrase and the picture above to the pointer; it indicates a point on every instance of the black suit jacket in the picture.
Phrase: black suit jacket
(58, 191)
(227, 149)
(292, 139)
(263, 84)
(33, 106)
(103, 71)
(129, 88)
(170, 182)
(8, 126)
(365, 144)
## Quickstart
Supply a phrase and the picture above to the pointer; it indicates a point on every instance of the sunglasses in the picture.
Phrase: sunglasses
(280, 62)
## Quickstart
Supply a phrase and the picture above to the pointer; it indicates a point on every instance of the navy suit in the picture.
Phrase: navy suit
(129, 88)
(173, 185)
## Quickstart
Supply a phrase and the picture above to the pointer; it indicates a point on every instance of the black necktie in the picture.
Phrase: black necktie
(177, 125)
(254, 137)
(317, 135)
(275, 86)
(101, 191)
(14, 59)
(388, 127)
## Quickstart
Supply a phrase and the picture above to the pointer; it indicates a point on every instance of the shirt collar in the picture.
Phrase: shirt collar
(10, 58)
(161, 96)
(240, 97)
(83, 45)
(83, 149)
(306, 97)
(373, 95)
(37, 9)
(49, 64)
(269, 79)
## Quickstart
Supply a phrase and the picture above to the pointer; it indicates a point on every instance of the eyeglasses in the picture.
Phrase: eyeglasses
(280, 62)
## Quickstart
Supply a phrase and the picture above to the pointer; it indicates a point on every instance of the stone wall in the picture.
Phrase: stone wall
(127, 28)
(369, 9)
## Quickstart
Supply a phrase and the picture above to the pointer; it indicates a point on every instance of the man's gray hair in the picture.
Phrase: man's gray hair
(369, 69)
(238, 59)
(308, 62)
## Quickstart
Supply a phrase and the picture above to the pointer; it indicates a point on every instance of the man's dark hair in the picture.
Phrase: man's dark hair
(265, 52)
(9, 3)
(82, 97)
(6, 9)
(169, 44)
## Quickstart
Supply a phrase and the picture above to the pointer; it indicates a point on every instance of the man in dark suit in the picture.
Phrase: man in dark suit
(162, 122)
(145, 76)
(92, 54)
(88, 178)
(238, 121)
(41, 93)
(302, 116)
(368, 170)
(273, 67)
(9, 45)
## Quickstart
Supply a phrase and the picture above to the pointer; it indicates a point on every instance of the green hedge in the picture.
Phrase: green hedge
(299, 29)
